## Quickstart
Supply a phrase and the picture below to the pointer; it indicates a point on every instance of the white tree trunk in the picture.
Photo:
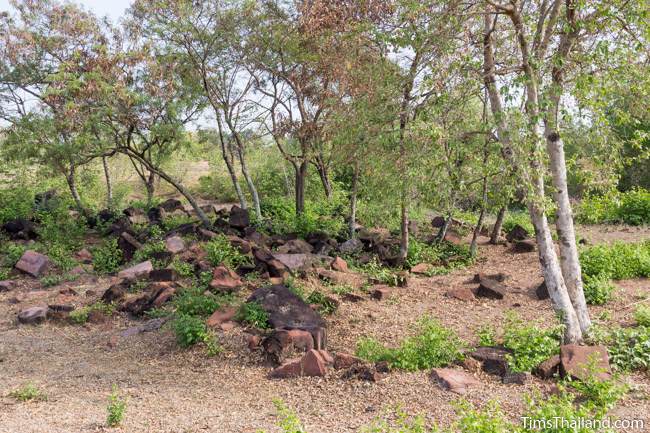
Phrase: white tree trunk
(569, 258)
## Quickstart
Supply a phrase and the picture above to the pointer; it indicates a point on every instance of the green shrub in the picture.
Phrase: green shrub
(375, 271)
(486, 336)
(400, 422)
(598, 289)
(190, 330)
(432, 346)
(489, 419)
(80, 315)
(4, 273)
(148, 251)
(13, 253)
(530, 343)
(445, 255)
(252, 314)
(28, 392)
(642, 315)
(116, 408)
(288, 421)
(16, 203)
(327, 216)
(221, 252)
(183, 269)
(553, 408)
(629, 348)
(514, 218)
(618, 261)
(631, 207)
(53, 280)
(107, 257)
(194, 301)
(597, 394)
(172, 222)
(325, 304)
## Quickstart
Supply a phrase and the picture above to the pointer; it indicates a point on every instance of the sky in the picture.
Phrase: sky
(114, 9)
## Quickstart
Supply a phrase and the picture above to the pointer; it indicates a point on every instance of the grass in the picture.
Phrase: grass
(433, 345)
(28, 392)
(80, 315)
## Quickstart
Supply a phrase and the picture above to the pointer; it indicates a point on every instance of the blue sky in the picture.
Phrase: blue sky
(114, 9)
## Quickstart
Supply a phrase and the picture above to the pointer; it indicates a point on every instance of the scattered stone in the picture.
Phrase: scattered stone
(171, 205)
(548, 368)
(345, 360)
(336, 277)
(239, 217)
(491, 289)
(296, 246)
(84, 256)
(162, 294)
(574, 361)
(374, 235)
(206, 234)
(225, 280)
(297, 261)
(313, 363)
(351, 246)
(253, 341)
(363, 372)
(526, 246)
(148, 326)
(542, 291)
(282, 344)
(136, 215)
(340, 265)
(381, 292)
(242, 245)
(499, 277)
(20, 229)
(163, 275)
(128, 245)
(287, 311)
(139, 270)
(221, 316)
(472, 365)
(352, 297)
(291, 368)
(115, 293)
(462, 293)
(517, 233)
(456, 381)
(493, 359)
(438, 221)
(175, 244)
(33, 263)
(517, 378)
(33, 315)
(6, 285)
(422, 269)
(382, 366)
(277, 269)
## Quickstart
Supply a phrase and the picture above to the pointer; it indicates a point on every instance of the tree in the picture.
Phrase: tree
(208, 35)
(49, 76)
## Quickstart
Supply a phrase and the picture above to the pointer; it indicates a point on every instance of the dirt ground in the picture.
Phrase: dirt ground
(174, 390)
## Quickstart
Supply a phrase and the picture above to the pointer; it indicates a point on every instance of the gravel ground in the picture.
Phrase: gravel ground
(173, 390)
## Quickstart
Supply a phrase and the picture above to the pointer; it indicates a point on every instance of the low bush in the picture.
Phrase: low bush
(325, 304)
(149, 251)
(521, 218)
(400, 422)
(529, 342)
(116, 408)
(432, 346)
(252, 314)
(327, 216)
(598, 289)
(642, 315)
(445, 255)
(80, 315)
(489, 419)
(617, 261)
(17, 203)
(194, 301)
(183, 269)
(221, 252)
(190, 330)
(631, 207)
(288, 421)
(629, 348)
(107, 258)
(12, 253)
(28, 392)
(597, 394)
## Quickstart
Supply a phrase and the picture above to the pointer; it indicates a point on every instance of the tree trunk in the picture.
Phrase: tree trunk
(233, 176)
(179, 187)
(479, 223)
(498, 225)
(404, 231)
(109, 183)
(249, 180)
(301, 178)
(324, 178)
(442, 231)
(569, 258)
(553, 276)
(353, 201)
(72, 185)
(150, 186)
